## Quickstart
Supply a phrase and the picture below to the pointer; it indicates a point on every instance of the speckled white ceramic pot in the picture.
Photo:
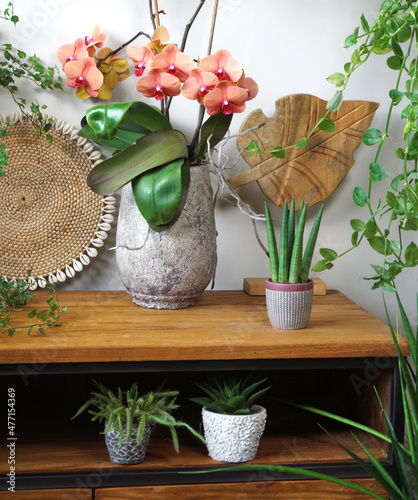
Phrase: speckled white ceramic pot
(175, 266)
(289, 305)
(233, 438)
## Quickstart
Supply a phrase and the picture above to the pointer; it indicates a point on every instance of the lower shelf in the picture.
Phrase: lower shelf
(70, 454)
(269, 490)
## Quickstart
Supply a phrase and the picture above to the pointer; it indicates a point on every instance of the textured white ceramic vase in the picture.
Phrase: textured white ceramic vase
(233, 438)
(175, 266)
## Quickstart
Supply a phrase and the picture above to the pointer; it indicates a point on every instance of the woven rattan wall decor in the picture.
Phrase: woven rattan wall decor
(50, 221)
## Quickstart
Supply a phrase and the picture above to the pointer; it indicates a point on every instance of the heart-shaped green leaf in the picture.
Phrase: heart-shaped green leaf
(152, 150)
(160, 193)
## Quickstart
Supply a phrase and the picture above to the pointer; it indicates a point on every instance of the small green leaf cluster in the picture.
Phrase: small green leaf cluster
(123, 409)
(230, 395)
(290, 264)
(14, 295)
(8, 13)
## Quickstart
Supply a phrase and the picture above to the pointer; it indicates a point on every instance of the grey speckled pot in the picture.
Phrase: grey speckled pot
(175, 266)
(130, 452)
(289, 305)
(233, 438)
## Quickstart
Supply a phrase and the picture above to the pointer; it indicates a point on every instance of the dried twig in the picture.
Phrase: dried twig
(152, 15)
(157, 14)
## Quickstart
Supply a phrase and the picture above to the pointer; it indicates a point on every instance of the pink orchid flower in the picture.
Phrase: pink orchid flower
(249, 85)
(173, 61)
(199, 84)
(141, 57)
(158, 40)
(72, 52)
(97, 39)
(157, 83)
(84, 76)
(223, 65)
(225, 98)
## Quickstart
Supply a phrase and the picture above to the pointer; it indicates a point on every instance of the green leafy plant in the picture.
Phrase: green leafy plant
(289, 263)
(123, 409)
(230, 395)
(15, 65)
(14, 295)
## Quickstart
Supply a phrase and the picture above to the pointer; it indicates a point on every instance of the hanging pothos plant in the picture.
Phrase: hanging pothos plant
(15, 64)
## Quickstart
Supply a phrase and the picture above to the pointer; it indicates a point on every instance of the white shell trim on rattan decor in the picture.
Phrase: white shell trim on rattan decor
(108, 207)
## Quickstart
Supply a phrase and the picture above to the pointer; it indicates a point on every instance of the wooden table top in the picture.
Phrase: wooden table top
(105, 326)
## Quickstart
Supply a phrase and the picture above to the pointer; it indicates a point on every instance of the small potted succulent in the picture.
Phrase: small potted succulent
(289, 292)
(128, 419)
(232, 423)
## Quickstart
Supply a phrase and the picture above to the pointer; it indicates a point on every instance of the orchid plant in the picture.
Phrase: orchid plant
(151, 155)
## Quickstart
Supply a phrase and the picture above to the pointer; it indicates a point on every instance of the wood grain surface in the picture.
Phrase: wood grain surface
(55, 494)
(107, 326)
(309, 174)
(268, 490)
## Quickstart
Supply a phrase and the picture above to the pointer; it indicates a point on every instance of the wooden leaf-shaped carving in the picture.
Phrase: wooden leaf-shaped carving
(309, 174)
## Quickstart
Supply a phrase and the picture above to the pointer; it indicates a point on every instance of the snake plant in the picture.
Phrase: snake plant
(289, 264)
(122, 409)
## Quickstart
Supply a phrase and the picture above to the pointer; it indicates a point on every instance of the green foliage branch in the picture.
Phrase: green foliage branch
(14, 295)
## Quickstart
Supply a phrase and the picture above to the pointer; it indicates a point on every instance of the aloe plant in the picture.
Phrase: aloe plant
(230, 395)
(122, 409)
(290, 264)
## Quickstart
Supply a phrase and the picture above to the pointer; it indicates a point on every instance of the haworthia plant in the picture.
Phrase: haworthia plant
(290, 264)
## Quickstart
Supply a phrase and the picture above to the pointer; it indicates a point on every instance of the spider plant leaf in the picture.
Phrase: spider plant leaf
(408, 330)
(375, 470)
(160, 194)
(310, 247)
(151, 151)
(284, 248)
(299, 472)
(296, 260)
(272, 245)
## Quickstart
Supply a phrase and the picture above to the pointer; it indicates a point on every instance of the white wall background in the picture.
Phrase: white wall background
(287, 46)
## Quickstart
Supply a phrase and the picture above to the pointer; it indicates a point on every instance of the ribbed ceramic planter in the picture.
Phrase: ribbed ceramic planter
(233, 438)
(130, 452)
(289, 305)
(175, 266)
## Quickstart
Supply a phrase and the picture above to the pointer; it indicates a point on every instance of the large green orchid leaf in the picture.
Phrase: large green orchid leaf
(215, 127)
(120, 141)
(105, 123)
(160, 193)
(152, 150)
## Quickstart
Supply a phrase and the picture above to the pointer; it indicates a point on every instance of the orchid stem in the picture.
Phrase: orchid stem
(99, 60)
(212, 28)
(152, 15)
(157, 14)
(198, 127)
(183, 44)
(189, 25)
